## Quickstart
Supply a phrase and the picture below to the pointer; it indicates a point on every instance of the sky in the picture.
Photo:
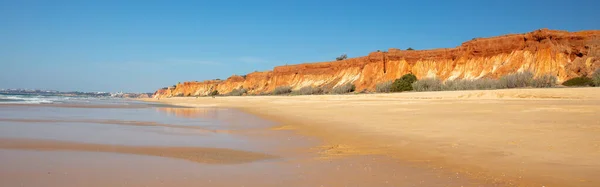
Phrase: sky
(140, 46)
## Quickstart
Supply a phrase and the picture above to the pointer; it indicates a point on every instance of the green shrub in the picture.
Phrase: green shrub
(384, 87)
(427, 84)
(341, 57)
(544, 81)
(237, 92)
(579, 81)
(516, 80)
(282, 90)
(346, 88)
(308, 90)
(404, 83)
(214, 93)
(596, 78)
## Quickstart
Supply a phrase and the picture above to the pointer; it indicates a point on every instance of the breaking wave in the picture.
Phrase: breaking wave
(30, 99)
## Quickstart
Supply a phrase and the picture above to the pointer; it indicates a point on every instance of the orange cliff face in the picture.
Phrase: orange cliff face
(560, 53)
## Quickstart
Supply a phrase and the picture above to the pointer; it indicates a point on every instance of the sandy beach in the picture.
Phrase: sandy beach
(522, 137)
(165, 145)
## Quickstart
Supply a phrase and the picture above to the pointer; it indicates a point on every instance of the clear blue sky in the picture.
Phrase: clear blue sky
(139, 46)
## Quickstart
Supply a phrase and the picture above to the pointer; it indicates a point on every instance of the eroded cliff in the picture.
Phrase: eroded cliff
(560, 53)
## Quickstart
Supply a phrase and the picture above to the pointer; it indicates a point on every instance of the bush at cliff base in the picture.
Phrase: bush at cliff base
(516, 80)
(282, 90)
(427, 84)
(384, 87)
(308, 90)
(474, 84)
(404, 83)
(238, 92)
(343, 89)
(596, 78)
(544, 81)
(578, 81)
(214, 93)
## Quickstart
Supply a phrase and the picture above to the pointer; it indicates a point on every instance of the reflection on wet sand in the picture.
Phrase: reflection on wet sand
(233, 118)
(195, 154)
(208, 113)
(115, 122)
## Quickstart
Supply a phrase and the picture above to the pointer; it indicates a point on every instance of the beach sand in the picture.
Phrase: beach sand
(165, 145)
(522, 137)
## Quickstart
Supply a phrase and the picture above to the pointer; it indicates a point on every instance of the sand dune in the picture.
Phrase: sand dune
(530, 137)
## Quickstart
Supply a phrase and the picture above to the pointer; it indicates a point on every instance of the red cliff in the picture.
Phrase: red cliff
(560, 53)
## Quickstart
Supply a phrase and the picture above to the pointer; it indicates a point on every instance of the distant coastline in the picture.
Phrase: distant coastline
(72, 93)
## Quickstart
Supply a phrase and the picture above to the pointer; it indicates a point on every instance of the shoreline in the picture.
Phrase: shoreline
(439, 131)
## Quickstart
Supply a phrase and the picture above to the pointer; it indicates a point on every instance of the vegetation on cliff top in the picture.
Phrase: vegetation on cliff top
(341, 57)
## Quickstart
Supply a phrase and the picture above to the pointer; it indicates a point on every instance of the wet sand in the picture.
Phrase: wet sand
(148, 146)
(66, 169)
(195, 154)
(522, 137)
(114, 122)
(163, 127)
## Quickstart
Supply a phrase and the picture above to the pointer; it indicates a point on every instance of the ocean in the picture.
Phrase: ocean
(30, 99)
(56, 99)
